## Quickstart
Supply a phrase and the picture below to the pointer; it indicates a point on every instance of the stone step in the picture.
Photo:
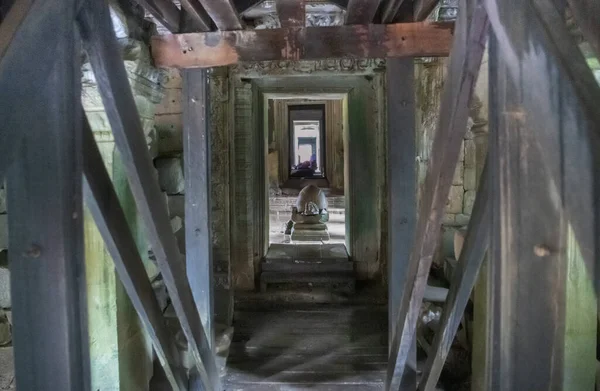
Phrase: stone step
(308, 266)
(342, 281)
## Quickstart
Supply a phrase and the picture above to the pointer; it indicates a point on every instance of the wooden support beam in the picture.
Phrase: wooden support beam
(101, 45)
(199, 20)
(402, 187)
(464, 64)
(465, 275)
(198, 233)
(580, 92)
(424, 8)
(224, 14)
(31, 25)
(202, 50)
(165, 11)
(390, 10)
(527, 248)
(103, 203)
(586, 15)
(47, 268)
(292, 13)
(361, 11)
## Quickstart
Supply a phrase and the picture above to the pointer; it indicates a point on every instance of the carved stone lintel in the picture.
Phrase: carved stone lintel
(326, 66)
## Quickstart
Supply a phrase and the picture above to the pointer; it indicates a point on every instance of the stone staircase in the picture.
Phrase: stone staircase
(307, 266)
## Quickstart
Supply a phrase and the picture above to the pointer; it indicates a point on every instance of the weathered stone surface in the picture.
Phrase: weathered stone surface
(5, 329)
(176, 224)
(7, 369)
(470, 154)
(169, 128)
(176, 205)
(470, 178)
(462, 219)
(170, 175)
(469, 201)
(5, 301)
(449, 219)
(455, 200)
(458, 179)
(3, 232)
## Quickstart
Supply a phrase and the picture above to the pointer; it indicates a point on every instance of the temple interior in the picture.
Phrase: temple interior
(295, 195)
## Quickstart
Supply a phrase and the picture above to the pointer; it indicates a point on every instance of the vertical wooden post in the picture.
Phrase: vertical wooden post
(196, 152)
(528, 263)
(46, 232)
(402, 187)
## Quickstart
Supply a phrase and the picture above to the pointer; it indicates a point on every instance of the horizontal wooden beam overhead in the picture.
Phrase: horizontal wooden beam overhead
(361, 11)
(202, 50)
(164, 11)
(423, 8)
(224, 14)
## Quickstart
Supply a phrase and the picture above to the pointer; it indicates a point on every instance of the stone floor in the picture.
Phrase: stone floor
(317, 348)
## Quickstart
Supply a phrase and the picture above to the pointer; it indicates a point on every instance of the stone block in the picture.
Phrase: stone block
(5, 288)
(462, 219)
(170, 133)
(455, 200)
(449, 219)
(2, 200)
(470, 154)
(469, 201)
(170, 175)
(461, 155)
(176, 205)
(3, 232)
(171, 103)
(470, 178)
(458, 178)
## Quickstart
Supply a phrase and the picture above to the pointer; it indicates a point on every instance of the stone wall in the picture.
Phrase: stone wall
(169, 162)
(430, 77)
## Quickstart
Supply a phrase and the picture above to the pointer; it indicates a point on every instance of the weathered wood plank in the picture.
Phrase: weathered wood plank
(103, 203)
(195, 16)
(164, 11)
(560, 55)
(292, 13)
(224, 14)
(586, 14)
(47, 268)
(198, 237)
(465, 275)
(391, 10)
(527, 244)
(423, 8)
(465, 61)
(28, 26)
(361, 11)
(402, 186)
(372, 41)
(97, 32)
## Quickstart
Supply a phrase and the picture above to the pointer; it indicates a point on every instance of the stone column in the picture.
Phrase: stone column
(121, 352)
